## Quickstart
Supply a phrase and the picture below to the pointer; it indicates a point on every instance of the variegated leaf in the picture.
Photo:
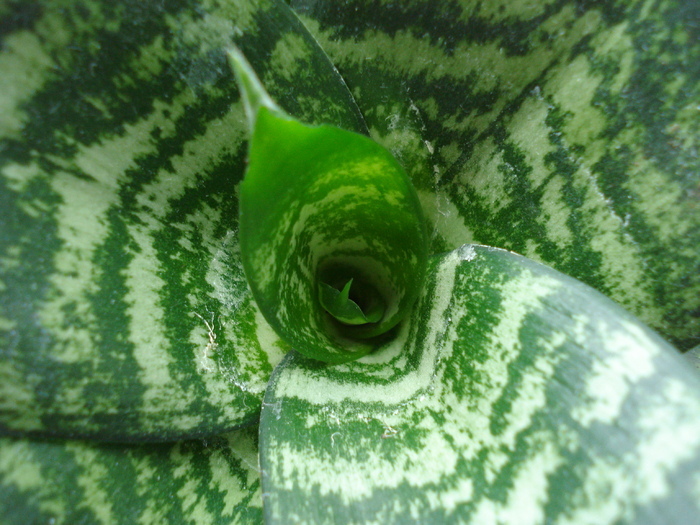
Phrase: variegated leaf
(199, 482)
(515, 395)
(124, 312)
(567, 131)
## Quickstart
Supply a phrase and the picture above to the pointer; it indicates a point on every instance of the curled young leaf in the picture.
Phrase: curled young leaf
(332, 235)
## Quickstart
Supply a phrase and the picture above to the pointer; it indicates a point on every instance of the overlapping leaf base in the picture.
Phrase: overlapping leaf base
(514, 395)
(565, 130)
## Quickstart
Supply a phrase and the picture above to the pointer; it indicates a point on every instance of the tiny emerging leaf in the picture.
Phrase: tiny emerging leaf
(339, 305)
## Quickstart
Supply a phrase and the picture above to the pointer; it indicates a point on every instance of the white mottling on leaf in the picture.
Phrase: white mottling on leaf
(629, 356)
(297, 383)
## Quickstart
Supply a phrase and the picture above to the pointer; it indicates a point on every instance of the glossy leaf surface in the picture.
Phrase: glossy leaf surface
(323, 206)
(325, 213)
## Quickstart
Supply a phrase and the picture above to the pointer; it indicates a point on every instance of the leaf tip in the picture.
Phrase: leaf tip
(252, 91)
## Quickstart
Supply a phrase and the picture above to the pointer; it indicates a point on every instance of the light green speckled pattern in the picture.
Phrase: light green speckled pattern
(323, 205)
(198, 482)
(567, 131)
(124, 312)
(514, 395)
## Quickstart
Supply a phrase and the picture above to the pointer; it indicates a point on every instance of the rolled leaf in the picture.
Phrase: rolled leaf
(322, 210)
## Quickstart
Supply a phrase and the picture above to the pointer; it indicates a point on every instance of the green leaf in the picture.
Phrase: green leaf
(320, 204)
(565, 131)
(341, 307)
(513, 394)
(199, 482)
(323, 206)
(124, 310)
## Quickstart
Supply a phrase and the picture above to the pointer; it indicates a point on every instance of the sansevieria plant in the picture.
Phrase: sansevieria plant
(349, 262)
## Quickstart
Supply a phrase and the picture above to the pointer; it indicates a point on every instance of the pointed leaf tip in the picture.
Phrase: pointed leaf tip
(338, 304)
(252, 91)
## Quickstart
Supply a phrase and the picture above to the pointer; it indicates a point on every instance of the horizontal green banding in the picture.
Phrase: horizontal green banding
(530, 398)
(124, 312)
(212, 482)
(323, 205)
(561, 131)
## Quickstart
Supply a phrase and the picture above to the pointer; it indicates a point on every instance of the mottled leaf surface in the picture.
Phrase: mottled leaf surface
(198, 482)
(515, 394)
(564, 130)
(124, 312)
